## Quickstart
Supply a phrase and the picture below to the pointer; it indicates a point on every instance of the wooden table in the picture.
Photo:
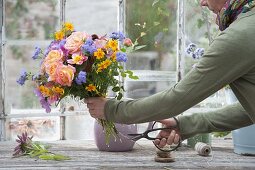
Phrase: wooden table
(85, 155)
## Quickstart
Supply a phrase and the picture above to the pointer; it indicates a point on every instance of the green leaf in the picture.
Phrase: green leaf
(123, 74)
(59, 157)
(46, 157)
(115, 89)
(56, 157)
(123, 50)
(139, 47)
(119, 96)
(155, 2)
(156, 23)
(142, 34)
(129, 72)
(134, 77)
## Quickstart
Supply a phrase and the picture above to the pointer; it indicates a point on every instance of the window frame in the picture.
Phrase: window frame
(173, 76)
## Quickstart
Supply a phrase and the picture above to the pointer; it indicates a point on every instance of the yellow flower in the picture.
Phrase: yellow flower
(91, 88)
(103, 65)
(58, 90)
(99, 54)
(113, 56)
(113, 44)
(69, 26)
(45, 91)
(59, 35)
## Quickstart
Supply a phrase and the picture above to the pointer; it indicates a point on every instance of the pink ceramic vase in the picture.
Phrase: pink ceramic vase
(119, 144)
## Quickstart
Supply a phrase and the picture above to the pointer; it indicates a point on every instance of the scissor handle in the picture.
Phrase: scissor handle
(169, 128)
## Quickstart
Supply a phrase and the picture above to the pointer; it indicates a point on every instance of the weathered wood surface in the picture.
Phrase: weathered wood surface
(85, 155)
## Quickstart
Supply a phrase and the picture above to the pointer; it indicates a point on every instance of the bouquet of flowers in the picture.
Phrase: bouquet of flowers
(80, 65)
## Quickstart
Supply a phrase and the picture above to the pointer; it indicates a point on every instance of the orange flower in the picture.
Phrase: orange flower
(91, 88)
(58, 90)
(45, 91)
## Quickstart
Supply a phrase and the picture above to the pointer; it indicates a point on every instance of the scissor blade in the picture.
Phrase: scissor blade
(135, 137)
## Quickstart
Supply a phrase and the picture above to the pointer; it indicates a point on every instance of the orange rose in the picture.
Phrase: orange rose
(54, 56)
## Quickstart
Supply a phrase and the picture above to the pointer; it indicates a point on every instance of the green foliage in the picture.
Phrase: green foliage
(153, 21)
(220, 134)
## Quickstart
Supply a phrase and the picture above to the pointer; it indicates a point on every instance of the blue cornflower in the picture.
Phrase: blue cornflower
(81, 78)
(191, 48)
(89, 42)
(120, 56)
(35, 77)
(199, 52)
(23, 77)
(118, 35)
(89, 48)
(38, 50)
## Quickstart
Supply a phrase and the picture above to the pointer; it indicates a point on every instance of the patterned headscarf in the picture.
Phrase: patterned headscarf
(231, 10)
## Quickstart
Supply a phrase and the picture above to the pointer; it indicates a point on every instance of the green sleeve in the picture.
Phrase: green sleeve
(228, 118)
(226, 60)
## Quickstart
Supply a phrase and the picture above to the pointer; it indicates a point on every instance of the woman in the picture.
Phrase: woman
(230, 60)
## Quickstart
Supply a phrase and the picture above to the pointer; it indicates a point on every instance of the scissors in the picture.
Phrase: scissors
(138, 136)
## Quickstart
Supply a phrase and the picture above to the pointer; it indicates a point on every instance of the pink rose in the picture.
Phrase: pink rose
(127, 42)
(75, 41)
(65, 75)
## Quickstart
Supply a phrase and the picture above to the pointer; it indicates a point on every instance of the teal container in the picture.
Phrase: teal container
(244, 140)
(205, 138)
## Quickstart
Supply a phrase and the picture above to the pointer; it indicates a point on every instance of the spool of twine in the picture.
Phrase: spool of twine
(203, 149)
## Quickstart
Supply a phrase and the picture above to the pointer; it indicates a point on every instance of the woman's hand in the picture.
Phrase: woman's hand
(168, 137)
(96, 106)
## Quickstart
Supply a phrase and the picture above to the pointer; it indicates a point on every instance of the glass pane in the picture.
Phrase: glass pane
(41, 128)
(33, 19)
(18, 57)
(94, 17)
(200, 29)
(155, 27)
(146, 88)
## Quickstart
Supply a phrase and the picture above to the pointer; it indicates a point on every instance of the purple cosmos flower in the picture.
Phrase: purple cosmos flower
(38, 50)
(24, 144)
(62, 47)
(23, 77)
(120, 56)
(81, 78)
(118, 35)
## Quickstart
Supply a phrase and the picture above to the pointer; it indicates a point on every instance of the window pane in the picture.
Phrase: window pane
(200, 29)
(33, 19)
(94, 17)
(155, 27)
(146, 88)
(41, 128)
(18, 57)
